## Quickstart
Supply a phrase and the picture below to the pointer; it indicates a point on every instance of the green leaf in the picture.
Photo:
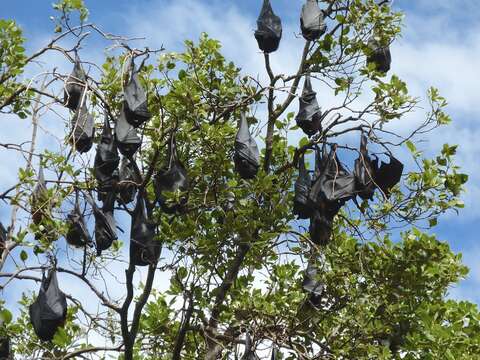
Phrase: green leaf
(303, 141)
(411, 147)
(182, 74)
(23, 255)
(182, 272)
(5, 317)
(61, 338)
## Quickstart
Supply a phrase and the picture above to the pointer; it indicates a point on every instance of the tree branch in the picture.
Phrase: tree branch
(143, 300)
(128, 300)
(100, 295)
(10, 245)
(74, 354)
(273, 115)
(183, 330)
(227, 283)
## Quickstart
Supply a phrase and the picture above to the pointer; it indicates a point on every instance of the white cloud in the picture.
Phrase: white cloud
(435, 53)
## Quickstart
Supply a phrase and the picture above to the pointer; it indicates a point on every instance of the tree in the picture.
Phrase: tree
(234, 251)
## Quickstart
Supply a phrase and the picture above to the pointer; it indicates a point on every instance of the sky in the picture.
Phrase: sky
(440, 47)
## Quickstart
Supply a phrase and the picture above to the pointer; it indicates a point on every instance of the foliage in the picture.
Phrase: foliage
(12, 61)
(236, 256)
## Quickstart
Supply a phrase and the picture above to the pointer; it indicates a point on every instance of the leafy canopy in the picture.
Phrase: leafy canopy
(236, 256)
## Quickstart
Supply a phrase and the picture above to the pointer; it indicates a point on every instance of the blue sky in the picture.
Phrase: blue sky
(440, 47)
